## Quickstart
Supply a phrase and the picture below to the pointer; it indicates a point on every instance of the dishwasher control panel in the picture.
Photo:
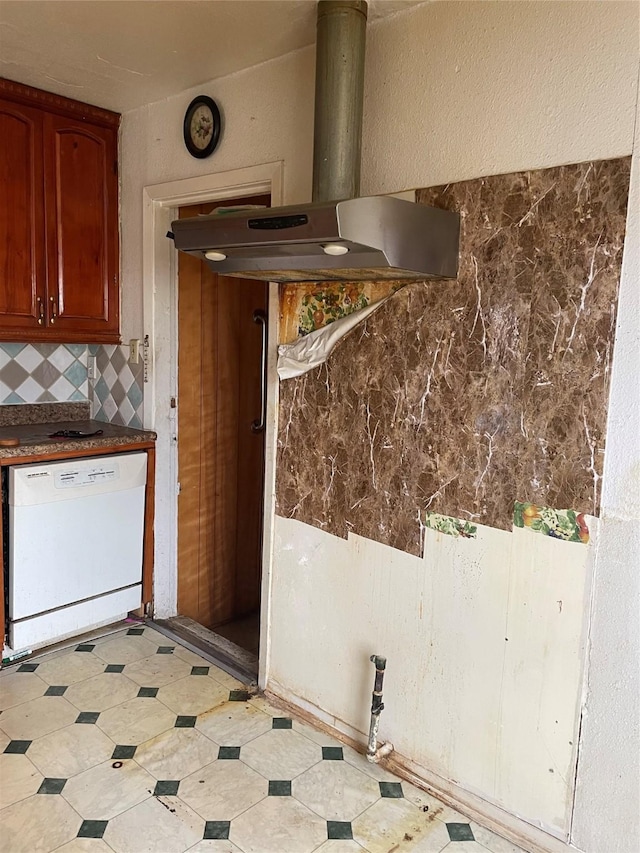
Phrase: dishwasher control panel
(67, 480)
(70, 477)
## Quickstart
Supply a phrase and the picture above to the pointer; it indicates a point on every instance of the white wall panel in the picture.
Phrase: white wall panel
(484, 663)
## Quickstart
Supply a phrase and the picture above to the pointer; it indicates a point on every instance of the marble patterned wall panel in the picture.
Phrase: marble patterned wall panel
(563, 229)
(460, 397)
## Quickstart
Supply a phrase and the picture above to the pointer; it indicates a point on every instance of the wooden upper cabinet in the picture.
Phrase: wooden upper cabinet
(81, 186)
(59, 253)
(22, 252)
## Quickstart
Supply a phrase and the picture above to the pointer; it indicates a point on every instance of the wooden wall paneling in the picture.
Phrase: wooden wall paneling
(226, 450)
(189, 369)
(252, 296)
(220, 460)
(249, 461)
(210, 576)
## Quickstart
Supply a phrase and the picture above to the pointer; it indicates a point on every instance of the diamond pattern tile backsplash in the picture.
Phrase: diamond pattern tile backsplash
(43, 373)
(117, 393)
(47, 373)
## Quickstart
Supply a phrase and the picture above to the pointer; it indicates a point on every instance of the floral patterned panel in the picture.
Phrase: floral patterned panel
(559, 523)
(329, 304)
(562, 524)
(307, 307)
(451, 526)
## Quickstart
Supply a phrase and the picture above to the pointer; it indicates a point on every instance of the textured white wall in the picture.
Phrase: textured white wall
(453, 90)
(608, 784)
(267, 116)
(457, 90)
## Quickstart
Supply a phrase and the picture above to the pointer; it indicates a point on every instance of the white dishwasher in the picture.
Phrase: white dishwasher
(76, 533)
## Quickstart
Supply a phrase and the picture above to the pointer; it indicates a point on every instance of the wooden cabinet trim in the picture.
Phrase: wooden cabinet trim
(60, 455)
(56, 335)
(30, 96)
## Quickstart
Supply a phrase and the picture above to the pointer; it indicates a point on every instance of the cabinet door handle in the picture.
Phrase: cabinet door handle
(53, 310)
(40, 304)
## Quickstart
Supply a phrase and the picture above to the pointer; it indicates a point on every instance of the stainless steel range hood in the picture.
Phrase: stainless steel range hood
(369, 238)
(362, 238)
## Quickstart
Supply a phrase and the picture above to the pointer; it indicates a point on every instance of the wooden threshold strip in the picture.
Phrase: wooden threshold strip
(234, 660)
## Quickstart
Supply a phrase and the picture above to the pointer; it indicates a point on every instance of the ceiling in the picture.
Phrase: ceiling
(121, 54)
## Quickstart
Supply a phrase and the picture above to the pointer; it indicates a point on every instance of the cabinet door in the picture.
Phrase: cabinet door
(81, 190)
(22, 247)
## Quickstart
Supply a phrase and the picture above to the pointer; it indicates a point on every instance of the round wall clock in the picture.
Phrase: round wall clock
(202, 126)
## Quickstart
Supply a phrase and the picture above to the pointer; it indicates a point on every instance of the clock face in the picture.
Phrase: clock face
(202, 126)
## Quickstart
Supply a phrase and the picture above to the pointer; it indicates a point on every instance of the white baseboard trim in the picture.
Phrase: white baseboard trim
(505, 824)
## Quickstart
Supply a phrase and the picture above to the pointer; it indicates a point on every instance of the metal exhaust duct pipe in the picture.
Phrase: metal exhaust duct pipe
(337, 135)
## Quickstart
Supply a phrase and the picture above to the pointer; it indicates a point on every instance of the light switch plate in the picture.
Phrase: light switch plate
(91, 367)
(134, 351)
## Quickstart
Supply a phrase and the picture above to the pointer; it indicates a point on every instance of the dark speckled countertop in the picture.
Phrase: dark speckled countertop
(35, 436)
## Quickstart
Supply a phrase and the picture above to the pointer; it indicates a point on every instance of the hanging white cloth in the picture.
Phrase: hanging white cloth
(310, 351)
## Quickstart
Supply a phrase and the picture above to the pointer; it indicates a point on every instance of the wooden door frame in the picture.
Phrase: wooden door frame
(160, 308)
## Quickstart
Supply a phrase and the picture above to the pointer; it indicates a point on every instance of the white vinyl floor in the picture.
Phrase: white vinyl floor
(131, 743)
